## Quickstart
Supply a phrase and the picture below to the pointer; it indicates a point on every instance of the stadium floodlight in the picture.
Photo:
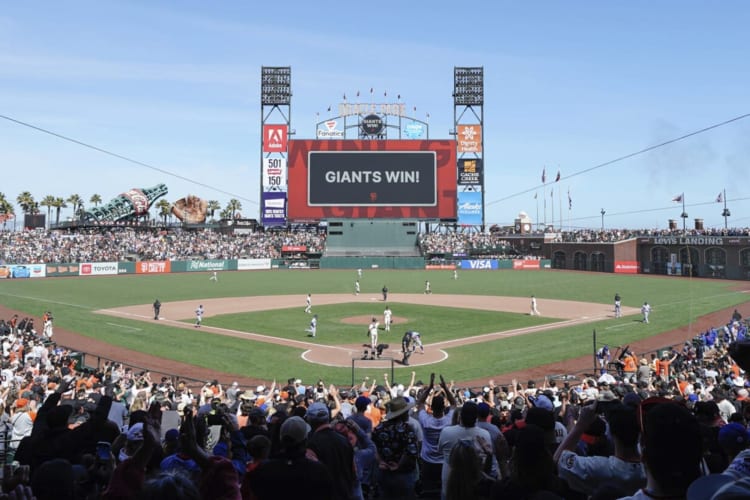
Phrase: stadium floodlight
(276, 85)
(468, 86)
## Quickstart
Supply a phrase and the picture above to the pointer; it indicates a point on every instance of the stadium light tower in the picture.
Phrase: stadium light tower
(275, 124)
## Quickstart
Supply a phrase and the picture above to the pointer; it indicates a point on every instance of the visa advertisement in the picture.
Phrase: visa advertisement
(479, 264)
(470, 208)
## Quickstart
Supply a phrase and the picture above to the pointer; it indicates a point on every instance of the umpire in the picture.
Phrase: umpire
(157, 308)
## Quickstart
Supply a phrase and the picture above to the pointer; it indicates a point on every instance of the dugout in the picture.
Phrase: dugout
(372, 238)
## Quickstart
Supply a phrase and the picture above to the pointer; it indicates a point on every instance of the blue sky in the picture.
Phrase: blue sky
(568, 85)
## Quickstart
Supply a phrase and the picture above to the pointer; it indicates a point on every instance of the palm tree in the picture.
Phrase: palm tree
(7, 211)
(48, 202)
(226, 213)
(165, 209)
(234, 206)
(58, 204)
(213, 206)
(77, 202)
(26, 201)
(95, 199)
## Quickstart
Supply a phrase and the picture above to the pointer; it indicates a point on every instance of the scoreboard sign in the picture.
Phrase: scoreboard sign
(470, 172)
(274, 174)
(371, 178)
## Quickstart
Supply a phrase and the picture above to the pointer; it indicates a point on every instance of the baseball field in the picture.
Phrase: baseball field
(473, 328)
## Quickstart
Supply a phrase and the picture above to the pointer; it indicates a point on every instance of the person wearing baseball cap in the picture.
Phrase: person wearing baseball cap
(292, 474)
(332, 450)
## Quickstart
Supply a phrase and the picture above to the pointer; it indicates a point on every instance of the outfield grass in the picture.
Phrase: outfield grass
(676, 302)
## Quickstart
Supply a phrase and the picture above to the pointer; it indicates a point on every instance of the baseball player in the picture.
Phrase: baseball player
(455, 274)
(645, 310)
(618, 307)
(199, 316)
(534, 310)
(427, 288)
(214, 277)
(308, 304)
(385, 293)
(356, 287)
(47, 325)
(416, 341)
(372, 331)
(387, 317)
(406, 347)
(359, 273)
(312, 331)
(157, 308)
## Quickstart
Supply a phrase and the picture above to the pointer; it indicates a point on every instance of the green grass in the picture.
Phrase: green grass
(676, 302)
(442, 323)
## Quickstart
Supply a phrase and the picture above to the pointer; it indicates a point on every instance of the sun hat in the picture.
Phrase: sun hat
(398, 406)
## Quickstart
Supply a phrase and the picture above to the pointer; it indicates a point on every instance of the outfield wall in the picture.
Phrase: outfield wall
(60, 269)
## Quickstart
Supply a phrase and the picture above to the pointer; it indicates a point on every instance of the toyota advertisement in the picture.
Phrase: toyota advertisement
(371, 179)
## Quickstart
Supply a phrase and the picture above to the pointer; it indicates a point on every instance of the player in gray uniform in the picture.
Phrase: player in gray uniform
(387, 318)
(645, 310)
(199, 316)
(618, 306)
(312, 331)
(416, 341)
(372, 331)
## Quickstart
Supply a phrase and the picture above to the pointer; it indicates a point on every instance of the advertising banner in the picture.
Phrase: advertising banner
(372, 178)
(126, 267)
(97, 268)
(626, 266)
(358, 179)
(329, 131)
(469, 208)
(54, 269)
(294, 248)
(253, 264)
(470, 172)
(469, 138)
(208, 265)
(525, 264)
(481, 264)
(273, 209)
(274, 174)
(439, 266)
(26, 271)
(153, 267)
(274, 138)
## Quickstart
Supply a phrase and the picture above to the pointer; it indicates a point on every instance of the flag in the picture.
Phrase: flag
(552, 193)
(385, 93)
(720, 198)
(398, 97)
(535, 195)
(329, 109)
(371, 90)
(678, 198)
(345, 97)
(558, 176)
(358, 93)
(570, 201)
(544, 175)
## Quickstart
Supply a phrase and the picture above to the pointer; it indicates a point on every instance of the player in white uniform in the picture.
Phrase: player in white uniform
(356, 287)
(427, 288)
(308, 304)
(603, 356)
(372, 331)
(359, 273)
(416, 341)
(387, 317)
(645, 310)
(455, 274)
(199, 316)
(312, 331)
(214, 276)
(534, 310)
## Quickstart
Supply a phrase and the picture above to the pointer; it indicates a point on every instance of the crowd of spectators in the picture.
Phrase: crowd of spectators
(35, 247)
(640, 428)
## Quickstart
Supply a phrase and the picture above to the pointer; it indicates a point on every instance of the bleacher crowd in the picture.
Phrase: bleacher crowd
(672, 426)
(34, 247)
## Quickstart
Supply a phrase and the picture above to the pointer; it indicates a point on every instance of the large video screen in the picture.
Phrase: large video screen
(372, 179)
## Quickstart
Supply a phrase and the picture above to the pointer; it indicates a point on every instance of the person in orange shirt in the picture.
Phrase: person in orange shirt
(662, 366)
(629, 364)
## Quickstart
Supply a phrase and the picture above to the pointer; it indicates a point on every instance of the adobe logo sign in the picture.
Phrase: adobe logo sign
(274, 138)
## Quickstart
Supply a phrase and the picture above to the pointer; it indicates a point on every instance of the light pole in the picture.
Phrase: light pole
(603, 212)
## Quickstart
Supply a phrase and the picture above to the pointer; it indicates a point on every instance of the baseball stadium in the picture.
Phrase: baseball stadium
(369, 273)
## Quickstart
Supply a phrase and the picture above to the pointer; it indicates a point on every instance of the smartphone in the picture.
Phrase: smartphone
(104, 451)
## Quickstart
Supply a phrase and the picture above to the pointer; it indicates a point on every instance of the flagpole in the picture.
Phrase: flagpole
(725, 213)
(544, 195)
(684, 216)
(537, 210)
(559, 200)
(552, 204)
